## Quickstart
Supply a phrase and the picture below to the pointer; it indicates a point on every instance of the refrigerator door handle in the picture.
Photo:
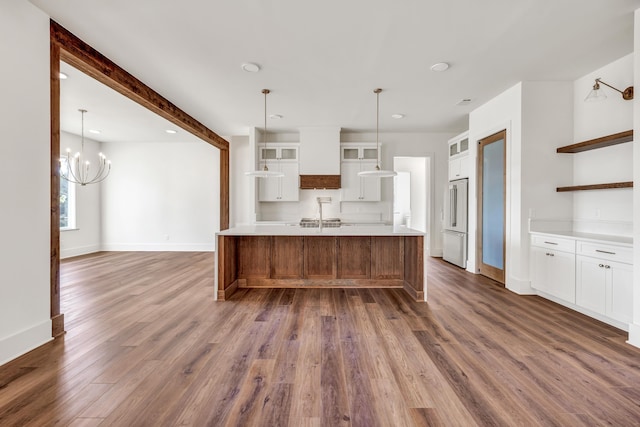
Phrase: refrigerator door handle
(453, 205)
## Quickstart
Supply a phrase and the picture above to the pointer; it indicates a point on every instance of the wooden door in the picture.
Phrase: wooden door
(491, 205)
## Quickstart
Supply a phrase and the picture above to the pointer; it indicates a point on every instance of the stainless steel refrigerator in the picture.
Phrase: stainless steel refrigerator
(454, 237)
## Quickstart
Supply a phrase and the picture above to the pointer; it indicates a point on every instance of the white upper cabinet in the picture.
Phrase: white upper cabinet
(281, 157)
(285, 153)
(367, 152)
(358, 157)
(459, 157)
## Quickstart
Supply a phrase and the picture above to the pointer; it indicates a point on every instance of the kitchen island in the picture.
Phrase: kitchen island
(290, 256)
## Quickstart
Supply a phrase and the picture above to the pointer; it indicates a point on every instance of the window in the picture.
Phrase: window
(67, 201)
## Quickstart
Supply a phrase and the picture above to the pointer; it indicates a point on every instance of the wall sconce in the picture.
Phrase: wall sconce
(598, 95)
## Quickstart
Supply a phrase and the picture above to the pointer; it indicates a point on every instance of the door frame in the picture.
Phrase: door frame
(484, 269)
(67, 47)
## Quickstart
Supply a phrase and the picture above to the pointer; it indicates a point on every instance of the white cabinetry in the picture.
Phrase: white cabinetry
(356, 158)
(604, 284)
(459, 157)
(553, 267)
(282, 158)
(587, 275)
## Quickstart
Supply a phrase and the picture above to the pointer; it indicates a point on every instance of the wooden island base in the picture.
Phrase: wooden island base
(320, 262)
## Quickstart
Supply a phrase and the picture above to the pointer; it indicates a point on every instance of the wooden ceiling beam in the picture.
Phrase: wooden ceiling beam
(91, 62)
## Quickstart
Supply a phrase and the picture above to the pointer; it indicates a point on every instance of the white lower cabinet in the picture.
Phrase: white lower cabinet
(587, 274)
(554, 272)
(280, 189)
(605, 287)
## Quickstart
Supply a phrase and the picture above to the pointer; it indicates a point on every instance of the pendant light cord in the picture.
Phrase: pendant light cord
(264, 137)
(377, 92)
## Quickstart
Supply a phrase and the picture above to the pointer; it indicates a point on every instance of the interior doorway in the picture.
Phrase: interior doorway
(67, 47)
(412, 200)
(491, 205)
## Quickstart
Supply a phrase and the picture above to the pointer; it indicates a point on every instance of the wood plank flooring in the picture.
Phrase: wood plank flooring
(146, 345)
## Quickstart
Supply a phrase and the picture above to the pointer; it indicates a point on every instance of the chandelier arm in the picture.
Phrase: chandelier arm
(72, 169)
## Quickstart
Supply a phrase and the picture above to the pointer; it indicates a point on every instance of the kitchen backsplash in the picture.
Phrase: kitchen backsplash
(307, 207)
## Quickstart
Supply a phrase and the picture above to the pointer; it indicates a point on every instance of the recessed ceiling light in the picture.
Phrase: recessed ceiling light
(62, 76)
(440, 66)
(250, 67)
(171, 131)
(465, 101)
(96, 131)
(275, 116)
(397, 116)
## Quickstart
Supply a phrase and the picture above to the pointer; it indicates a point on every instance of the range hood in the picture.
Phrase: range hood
(319, 158)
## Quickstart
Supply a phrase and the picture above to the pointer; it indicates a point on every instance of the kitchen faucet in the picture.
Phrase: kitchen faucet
(322, 200)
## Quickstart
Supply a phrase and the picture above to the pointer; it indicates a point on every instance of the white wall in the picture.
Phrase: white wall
(610, 164)
(241, 204)
(161, 197)
(24, 149)
(533, 170)
(86, 237)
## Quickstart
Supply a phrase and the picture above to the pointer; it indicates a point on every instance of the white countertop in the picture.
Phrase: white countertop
(598, 238)
(296, 230)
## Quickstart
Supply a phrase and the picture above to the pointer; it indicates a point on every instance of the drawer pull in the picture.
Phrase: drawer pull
(548, 254)
(601, 265)
(607, 266)
(551, 243)
(605, 252)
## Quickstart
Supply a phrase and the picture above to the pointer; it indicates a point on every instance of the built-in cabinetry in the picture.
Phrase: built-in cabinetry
(354, 158)
(282, 158)
(605, 141)
(604, 279)
(553, 266)
(591, 276)
(459, 157)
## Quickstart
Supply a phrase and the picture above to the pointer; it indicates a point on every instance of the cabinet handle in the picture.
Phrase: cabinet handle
(551, 243)
(605, 252)
(600, 265)
(550, 254)
(607, 266)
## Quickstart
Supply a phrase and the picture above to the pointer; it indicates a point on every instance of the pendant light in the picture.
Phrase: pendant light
(78, 169)
(377, 172)
(265, 172)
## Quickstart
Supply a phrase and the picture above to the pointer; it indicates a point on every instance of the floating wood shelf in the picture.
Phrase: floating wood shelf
(628, 184)
(605, 141)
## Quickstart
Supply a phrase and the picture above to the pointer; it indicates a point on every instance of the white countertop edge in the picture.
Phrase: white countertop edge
(598, 238)
(295, 230)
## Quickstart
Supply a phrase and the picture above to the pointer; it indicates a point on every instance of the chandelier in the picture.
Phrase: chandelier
(79, 170)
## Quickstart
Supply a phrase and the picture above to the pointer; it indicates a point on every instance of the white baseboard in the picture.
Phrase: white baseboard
(634, 335)
(24, 341)
(159, 247)
(83, 250)
(520, 287)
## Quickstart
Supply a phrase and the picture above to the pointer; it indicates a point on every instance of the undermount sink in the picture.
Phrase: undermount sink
(315, 223)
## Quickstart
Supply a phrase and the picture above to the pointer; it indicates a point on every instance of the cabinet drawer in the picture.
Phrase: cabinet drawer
(605, 251)
(556, 243)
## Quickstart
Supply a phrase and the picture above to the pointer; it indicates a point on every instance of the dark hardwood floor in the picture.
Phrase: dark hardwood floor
(146, 345)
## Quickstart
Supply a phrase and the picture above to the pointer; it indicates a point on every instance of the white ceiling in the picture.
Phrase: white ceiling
(322, 60)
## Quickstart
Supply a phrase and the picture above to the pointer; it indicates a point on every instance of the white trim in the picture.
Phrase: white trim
(159, 247)
(634, 335)
(81, 250)
(24, 341)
